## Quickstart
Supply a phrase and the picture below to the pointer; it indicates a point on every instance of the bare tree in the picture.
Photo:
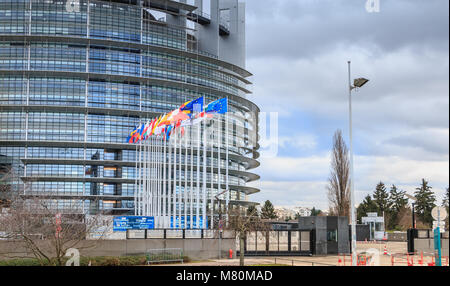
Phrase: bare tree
(339, 181)
(241, 223)
(7, 177)
(36, 226)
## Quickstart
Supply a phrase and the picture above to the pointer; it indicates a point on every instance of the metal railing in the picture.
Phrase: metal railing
(164, 255)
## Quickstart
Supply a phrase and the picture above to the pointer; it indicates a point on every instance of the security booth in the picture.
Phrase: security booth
(376, 226)
(331, 234)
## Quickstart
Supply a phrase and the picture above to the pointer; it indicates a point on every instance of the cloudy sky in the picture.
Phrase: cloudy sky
(298, 52)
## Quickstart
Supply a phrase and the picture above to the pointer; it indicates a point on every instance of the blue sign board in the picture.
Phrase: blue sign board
(124, 223)
(183, 223)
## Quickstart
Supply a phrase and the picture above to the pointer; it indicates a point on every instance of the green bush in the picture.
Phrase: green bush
(84, 261)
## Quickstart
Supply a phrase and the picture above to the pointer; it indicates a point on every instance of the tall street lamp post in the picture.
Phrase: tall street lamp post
(358, 83)
(414, 200)
(220, 226)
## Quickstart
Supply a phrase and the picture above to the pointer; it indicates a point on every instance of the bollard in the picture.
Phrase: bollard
(392, 260)
(230, 253)
(421, 259)
(339, 260)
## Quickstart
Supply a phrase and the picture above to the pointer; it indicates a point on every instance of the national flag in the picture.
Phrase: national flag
(155, 125)
(147, 130)
(200, 117)
(178, 115)
(168, 132)
(194, 106)
(219, 106)
(136, 135)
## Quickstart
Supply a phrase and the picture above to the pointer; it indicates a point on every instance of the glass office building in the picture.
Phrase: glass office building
(77, 76)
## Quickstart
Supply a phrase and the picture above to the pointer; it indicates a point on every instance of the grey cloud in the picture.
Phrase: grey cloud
(299, 28)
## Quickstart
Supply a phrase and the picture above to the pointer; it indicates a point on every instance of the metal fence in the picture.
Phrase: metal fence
(164, 255)
(279, 243)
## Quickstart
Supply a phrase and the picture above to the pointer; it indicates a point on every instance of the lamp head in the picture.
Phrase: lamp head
(411, 197)
(360, 82)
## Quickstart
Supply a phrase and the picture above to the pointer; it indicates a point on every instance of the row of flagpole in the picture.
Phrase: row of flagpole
(159, 186)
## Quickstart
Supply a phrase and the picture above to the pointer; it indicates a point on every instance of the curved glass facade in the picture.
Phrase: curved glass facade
(75, 81)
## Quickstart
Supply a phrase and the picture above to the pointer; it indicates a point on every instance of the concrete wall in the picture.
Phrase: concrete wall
(321, 235)
(400, 236)
(343, 235)
(427, 246)
(362, 232)
(195, 249)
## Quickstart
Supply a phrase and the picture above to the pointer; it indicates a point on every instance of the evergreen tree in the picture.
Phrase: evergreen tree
(445, 201)
(445, 205)
(397, 202)
(268, 211)
(425, 202)
(315, 212)
(397, 199)
(367, 206)
(381, 198)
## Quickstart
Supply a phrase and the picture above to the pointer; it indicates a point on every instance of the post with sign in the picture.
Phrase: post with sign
(439, 214)
(58, 225)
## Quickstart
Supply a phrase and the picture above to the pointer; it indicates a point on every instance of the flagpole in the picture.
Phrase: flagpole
(149, 178)
(138, 176)
(212, 167)
(163, 192)
(185, 179)
(139, 206)
(219, 174)
(175, 160)
(204, 177)
(159, 182)
(180, 193)
(135, 181)
(227, 126)
(169, 178)
(191, 193)
(152, 176)
(144, 182)
(198, 176)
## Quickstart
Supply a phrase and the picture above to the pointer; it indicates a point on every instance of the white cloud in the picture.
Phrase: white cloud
(401, 118)
(303, 181)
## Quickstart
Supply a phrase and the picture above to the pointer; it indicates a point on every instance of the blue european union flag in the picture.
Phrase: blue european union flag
(220, 106)
(194, 106)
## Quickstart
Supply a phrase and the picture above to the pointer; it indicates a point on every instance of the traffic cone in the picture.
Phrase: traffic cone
(339, 260)
(385, 250)
(432, 262)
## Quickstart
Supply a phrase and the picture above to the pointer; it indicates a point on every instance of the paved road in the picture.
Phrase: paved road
(396, 252)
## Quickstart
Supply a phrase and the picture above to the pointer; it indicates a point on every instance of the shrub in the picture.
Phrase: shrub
(84, 261)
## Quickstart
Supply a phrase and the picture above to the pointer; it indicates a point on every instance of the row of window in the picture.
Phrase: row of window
(101, 61)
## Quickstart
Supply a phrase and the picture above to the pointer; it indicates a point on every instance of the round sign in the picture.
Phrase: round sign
(439, 213)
